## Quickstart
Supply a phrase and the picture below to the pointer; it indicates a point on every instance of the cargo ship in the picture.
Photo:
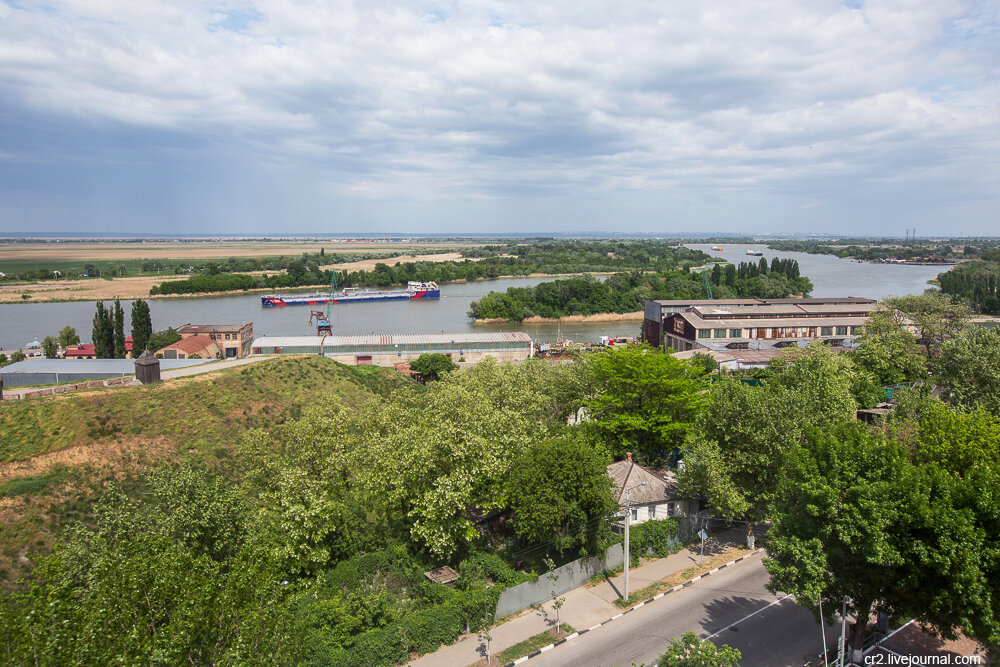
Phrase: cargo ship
(414, 290)
(755, 253)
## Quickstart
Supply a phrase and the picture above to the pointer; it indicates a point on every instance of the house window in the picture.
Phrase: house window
(735, 333)
(826, 331)
(704, 333)
(635, 513)
(719, 333)
(670, 509)
(855, 331)
(841, 331)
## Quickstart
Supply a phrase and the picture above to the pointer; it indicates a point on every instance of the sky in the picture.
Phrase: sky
(481, 116)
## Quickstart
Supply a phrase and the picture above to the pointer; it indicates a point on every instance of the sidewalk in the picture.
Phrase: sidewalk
(584, 607)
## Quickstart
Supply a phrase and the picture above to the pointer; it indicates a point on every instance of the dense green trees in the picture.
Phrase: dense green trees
(559, 490)
(119, 330)
(68, 336)
(975, 283)
(432, 366)
(968, 369)
(643, 401)
(103, 333)
(142, 327)
(627, 292)
(50, 346)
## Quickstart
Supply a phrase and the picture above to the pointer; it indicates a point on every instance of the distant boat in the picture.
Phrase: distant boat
(717, 249)
(414, 290)
(755, 253)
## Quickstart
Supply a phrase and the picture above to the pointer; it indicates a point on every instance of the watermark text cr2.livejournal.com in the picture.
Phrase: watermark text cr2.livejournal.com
(921, 660)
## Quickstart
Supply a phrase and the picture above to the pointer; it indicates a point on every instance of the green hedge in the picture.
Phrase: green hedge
(653, 539)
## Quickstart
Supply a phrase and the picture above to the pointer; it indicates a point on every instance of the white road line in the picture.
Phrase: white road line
(729, 625)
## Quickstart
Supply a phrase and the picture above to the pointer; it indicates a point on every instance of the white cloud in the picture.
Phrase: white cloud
(487, 99)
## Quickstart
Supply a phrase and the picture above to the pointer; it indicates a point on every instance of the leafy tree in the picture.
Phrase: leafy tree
(165, 580)
(691, 651)
(706, 362)
(68, 336)
(90, 270)
(935, 318)
(559, 491)
(161, 339)
(737, 454)
(17, 356)
(103, 333)
(119, 330)
(644, 401)
(857, 519)
(969, 370)
(432, 366)
(888, 351)
(142, 327)
(50, 346)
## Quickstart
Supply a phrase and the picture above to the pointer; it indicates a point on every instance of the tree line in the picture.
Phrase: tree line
(487, 263)
(975, 283)
(627, 292)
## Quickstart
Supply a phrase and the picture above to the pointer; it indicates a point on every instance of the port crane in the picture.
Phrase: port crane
(322, 318)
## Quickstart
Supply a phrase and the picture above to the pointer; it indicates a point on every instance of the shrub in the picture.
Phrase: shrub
(657, 539)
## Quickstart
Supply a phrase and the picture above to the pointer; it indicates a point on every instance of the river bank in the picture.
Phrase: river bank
(104, 289)
(572, 319)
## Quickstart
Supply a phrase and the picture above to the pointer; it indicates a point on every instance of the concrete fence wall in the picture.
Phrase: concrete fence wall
(569, 576)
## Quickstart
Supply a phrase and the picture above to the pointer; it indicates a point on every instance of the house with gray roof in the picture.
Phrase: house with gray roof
(657, 498)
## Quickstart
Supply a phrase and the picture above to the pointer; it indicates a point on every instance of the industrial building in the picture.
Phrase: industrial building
(389, 349)
(52, 371)
(756, 324)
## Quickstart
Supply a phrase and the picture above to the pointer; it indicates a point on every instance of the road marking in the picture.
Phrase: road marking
(729, 625)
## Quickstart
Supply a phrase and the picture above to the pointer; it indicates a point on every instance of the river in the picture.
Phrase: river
(831, 276)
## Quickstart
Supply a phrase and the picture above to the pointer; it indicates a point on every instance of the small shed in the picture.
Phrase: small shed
(147, 368)
(442, 575)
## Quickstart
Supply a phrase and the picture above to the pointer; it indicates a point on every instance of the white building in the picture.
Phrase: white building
(656, 499)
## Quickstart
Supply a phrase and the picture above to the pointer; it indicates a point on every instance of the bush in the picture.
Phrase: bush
(656, 539)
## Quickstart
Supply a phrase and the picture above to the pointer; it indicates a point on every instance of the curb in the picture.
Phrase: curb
(632, 608)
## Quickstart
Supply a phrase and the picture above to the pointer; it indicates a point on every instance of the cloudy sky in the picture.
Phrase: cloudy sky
(477, 116)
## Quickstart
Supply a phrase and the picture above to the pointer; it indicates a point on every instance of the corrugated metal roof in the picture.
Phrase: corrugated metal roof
(771, 322)
(393, 339)
(68, 366)
(763, 302)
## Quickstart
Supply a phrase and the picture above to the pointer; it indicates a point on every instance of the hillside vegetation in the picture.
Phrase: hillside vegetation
(56, 454)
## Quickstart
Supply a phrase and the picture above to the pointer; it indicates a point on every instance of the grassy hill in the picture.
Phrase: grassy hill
(57, 454)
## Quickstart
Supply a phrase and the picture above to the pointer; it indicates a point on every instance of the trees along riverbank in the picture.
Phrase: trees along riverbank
(627, 292)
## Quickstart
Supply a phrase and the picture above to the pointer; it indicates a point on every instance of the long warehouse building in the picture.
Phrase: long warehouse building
(389, 349)
(761, 324)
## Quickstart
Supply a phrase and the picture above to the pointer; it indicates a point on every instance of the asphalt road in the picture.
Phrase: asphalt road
(732, 606)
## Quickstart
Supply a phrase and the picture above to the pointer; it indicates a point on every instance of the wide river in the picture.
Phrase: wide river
(831, 276)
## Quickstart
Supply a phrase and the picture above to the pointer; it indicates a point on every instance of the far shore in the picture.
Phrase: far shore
(575, 319)
(131, 288)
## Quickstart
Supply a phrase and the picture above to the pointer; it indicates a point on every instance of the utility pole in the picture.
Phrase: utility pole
(628, 520)
(843, 635)
(822, 629)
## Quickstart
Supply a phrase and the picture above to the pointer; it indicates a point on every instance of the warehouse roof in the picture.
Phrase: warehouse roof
(764, 302)
(775, 322)
(75, 366)
(394, 339)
